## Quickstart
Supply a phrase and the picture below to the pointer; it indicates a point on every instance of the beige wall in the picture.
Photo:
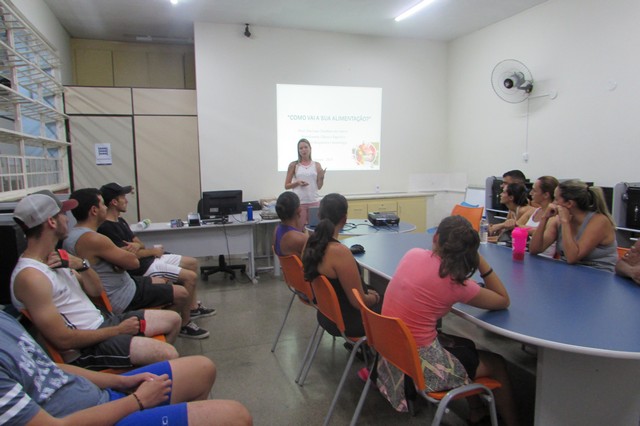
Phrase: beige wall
(118, 64)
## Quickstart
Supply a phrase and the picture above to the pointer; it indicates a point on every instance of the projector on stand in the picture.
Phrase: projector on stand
(383, 218)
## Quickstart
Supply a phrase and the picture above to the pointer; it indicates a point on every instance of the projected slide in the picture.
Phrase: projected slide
(341, 123)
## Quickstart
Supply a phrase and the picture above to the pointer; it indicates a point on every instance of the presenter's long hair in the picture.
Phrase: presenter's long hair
(333, 208)
(456, 243)
(303, 140)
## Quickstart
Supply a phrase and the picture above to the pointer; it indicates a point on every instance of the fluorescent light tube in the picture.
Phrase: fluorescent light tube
(418, 7)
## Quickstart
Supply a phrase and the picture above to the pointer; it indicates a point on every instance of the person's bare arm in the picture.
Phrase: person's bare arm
(629, 264)
(95, 246)
(597, 231)
(345, 268)
(34, 290)
(150, 393)
(494, 295)
(545, 234)
(321, 173)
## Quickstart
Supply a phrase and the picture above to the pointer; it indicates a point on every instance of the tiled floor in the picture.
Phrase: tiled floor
(242, 333)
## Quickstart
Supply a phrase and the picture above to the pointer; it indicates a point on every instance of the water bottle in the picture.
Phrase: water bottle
(519, 242)
(484, 230)
(249, 212)
(143, 224)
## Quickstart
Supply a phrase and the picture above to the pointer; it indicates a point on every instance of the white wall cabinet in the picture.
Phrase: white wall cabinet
(154, 146)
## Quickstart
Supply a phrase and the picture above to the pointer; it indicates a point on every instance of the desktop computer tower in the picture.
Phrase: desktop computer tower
(13, 244)
(632, 197)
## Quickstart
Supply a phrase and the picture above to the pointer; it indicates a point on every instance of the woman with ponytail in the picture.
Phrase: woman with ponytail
(423, 289)
(515, 197)
(581, 226)
(325, 255)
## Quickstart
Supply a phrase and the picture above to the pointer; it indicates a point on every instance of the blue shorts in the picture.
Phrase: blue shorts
(166, 414)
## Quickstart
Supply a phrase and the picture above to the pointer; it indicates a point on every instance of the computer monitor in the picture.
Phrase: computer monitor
(219, 204)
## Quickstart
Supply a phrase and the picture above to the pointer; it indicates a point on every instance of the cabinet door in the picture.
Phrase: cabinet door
(88, 131)
(382, 206)
(413, 210)
(167, 158)
(357, 210)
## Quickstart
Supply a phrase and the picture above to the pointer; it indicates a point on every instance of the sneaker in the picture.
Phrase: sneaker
(202, 311)
(192, 331)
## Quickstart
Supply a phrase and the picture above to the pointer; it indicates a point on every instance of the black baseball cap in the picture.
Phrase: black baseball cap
(112, 191)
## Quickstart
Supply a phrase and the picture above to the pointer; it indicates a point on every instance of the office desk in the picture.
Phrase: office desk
(355, 227)
(585, 322)
(205, 240)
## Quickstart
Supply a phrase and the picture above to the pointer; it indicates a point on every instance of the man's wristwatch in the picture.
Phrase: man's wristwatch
(85, 265)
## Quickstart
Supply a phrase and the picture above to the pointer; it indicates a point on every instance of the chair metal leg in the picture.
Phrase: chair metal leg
(312, 356)
(486, 395)
(286, 315)
(306, 353)
(347, 370)
(363, 396)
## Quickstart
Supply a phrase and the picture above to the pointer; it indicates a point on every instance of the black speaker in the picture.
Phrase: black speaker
(13, 244)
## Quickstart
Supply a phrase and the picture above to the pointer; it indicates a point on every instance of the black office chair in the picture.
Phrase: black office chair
(205, 271)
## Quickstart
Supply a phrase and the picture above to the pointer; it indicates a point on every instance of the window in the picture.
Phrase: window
(33, 146)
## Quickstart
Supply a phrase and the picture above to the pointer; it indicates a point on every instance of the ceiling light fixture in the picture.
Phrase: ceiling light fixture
(418, 7)
(174, 2)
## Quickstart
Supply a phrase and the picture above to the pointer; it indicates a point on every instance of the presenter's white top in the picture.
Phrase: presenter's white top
(309, 173)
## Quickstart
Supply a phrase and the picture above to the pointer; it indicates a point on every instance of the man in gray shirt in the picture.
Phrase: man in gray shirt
(111, 263)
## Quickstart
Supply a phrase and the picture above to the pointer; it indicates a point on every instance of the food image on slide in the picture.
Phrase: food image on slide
(341, 123)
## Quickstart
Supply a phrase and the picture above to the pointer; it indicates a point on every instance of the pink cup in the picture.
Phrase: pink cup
(519, 242)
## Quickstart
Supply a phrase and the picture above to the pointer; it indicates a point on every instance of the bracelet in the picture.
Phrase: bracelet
(486, 274)
(138, 401)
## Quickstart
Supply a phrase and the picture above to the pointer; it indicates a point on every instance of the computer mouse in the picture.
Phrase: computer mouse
(356, 249)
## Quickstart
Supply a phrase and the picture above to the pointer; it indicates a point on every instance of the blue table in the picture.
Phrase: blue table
(355, 227)
(585, 322)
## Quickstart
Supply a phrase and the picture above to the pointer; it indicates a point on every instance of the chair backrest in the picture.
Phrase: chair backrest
(294, 275)
(327, 301)
(393, 341)
(472, 214)
(55, 355)
(103, 301)
(622, 251)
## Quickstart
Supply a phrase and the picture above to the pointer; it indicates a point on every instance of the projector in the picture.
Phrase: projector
(383, 218)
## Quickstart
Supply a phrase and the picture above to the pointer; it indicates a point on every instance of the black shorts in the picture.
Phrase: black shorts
(149, 295)
(463, 349)
(113, 352)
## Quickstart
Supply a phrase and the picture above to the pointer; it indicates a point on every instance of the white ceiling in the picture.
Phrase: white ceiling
(123, 20)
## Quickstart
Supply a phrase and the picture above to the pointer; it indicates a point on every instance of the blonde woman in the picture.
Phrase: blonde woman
(305, 177)
(580, 224)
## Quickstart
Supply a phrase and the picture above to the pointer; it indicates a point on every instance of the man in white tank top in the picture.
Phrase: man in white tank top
(51, 284)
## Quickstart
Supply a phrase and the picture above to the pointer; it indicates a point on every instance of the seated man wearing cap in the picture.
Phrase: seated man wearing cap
(153, 261)
(49, 284)
(111, 263)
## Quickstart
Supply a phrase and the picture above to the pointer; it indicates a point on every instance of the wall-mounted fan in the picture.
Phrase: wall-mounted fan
(512, 81)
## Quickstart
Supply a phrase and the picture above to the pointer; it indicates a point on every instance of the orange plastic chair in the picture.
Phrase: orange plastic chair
(293, 273)
(622, 251)
(327, 303)
(103, 301)
(392, 340)
(472, 214)
(55, 354)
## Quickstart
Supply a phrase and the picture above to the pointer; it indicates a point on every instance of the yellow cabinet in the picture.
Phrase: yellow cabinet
(410, 209)
(382, 206)
(357, 209)
(413, 210)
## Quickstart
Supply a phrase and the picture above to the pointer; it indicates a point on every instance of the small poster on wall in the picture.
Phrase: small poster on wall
(103, 154)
